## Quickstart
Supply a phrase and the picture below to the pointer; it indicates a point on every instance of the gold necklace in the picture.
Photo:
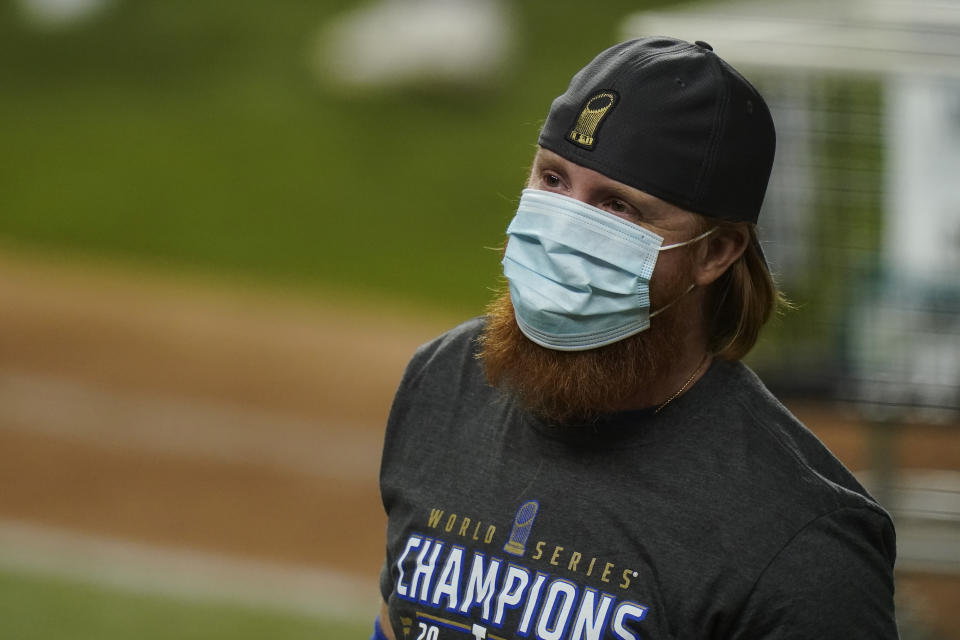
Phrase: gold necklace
(685, 384)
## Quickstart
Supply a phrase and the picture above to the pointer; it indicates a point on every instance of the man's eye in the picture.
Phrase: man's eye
(551, 180)
(619, 206)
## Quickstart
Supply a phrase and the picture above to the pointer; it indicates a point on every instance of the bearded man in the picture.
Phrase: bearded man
(591, 459)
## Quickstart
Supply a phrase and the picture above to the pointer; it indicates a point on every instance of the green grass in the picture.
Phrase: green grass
(44, 608)
(195, 138)
(192, 136)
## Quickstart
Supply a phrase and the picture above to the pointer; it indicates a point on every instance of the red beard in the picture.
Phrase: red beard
(578, 386)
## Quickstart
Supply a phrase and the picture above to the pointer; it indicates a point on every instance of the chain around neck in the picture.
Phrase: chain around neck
(685, 384)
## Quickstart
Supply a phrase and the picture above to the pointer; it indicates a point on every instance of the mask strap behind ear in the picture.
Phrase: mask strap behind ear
(690, 241)
(673, 302)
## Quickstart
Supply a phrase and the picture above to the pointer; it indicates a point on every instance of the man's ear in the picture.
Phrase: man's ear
(720, 250)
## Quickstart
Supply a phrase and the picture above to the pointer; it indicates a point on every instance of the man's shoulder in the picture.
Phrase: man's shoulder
(737, 386)
(453, 350)
(777, 434)
(464, 333)
(460, 340)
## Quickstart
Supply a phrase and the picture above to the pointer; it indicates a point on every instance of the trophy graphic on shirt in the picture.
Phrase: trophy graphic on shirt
(522, 523)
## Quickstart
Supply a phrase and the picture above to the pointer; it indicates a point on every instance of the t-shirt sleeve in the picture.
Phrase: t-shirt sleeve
(389, 457)
(834, 579)
(386, 580)
(410, 393)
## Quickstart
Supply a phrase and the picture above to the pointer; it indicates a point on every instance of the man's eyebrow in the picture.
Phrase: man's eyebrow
(623, 192)
(636, 197)
(543, 161)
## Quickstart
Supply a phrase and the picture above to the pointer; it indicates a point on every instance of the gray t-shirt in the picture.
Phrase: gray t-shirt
(720, 517)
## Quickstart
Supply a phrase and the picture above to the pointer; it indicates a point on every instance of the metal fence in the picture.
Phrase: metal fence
(861, 226)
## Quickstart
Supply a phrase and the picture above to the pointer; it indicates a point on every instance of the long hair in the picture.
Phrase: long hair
(742, 300)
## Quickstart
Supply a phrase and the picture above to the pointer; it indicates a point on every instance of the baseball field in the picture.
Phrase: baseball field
(213, 269)
(195, 459)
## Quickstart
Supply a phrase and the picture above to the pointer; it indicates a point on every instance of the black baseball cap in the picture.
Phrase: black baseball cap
(672, 119)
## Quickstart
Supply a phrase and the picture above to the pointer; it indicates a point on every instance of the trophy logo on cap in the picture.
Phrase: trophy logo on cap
(584, 132)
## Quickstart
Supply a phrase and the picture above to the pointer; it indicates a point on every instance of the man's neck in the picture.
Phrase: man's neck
(666, 388)
(688, 357)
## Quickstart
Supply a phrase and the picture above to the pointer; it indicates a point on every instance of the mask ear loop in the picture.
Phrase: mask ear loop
(690, 288)
(673, 302)
(690, 241)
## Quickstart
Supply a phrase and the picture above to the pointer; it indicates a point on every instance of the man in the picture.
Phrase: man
(591, 459)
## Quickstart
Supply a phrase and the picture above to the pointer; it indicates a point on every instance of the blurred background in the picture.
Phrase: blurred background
(224, 229)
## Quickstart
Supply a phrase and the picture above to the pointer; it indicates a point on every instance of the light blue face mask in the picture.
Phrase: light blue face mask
(579, 276)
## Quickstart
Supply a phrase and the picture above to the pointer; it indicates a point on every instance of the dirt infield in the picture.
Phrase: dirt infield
(246, 423)
(187, 415)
